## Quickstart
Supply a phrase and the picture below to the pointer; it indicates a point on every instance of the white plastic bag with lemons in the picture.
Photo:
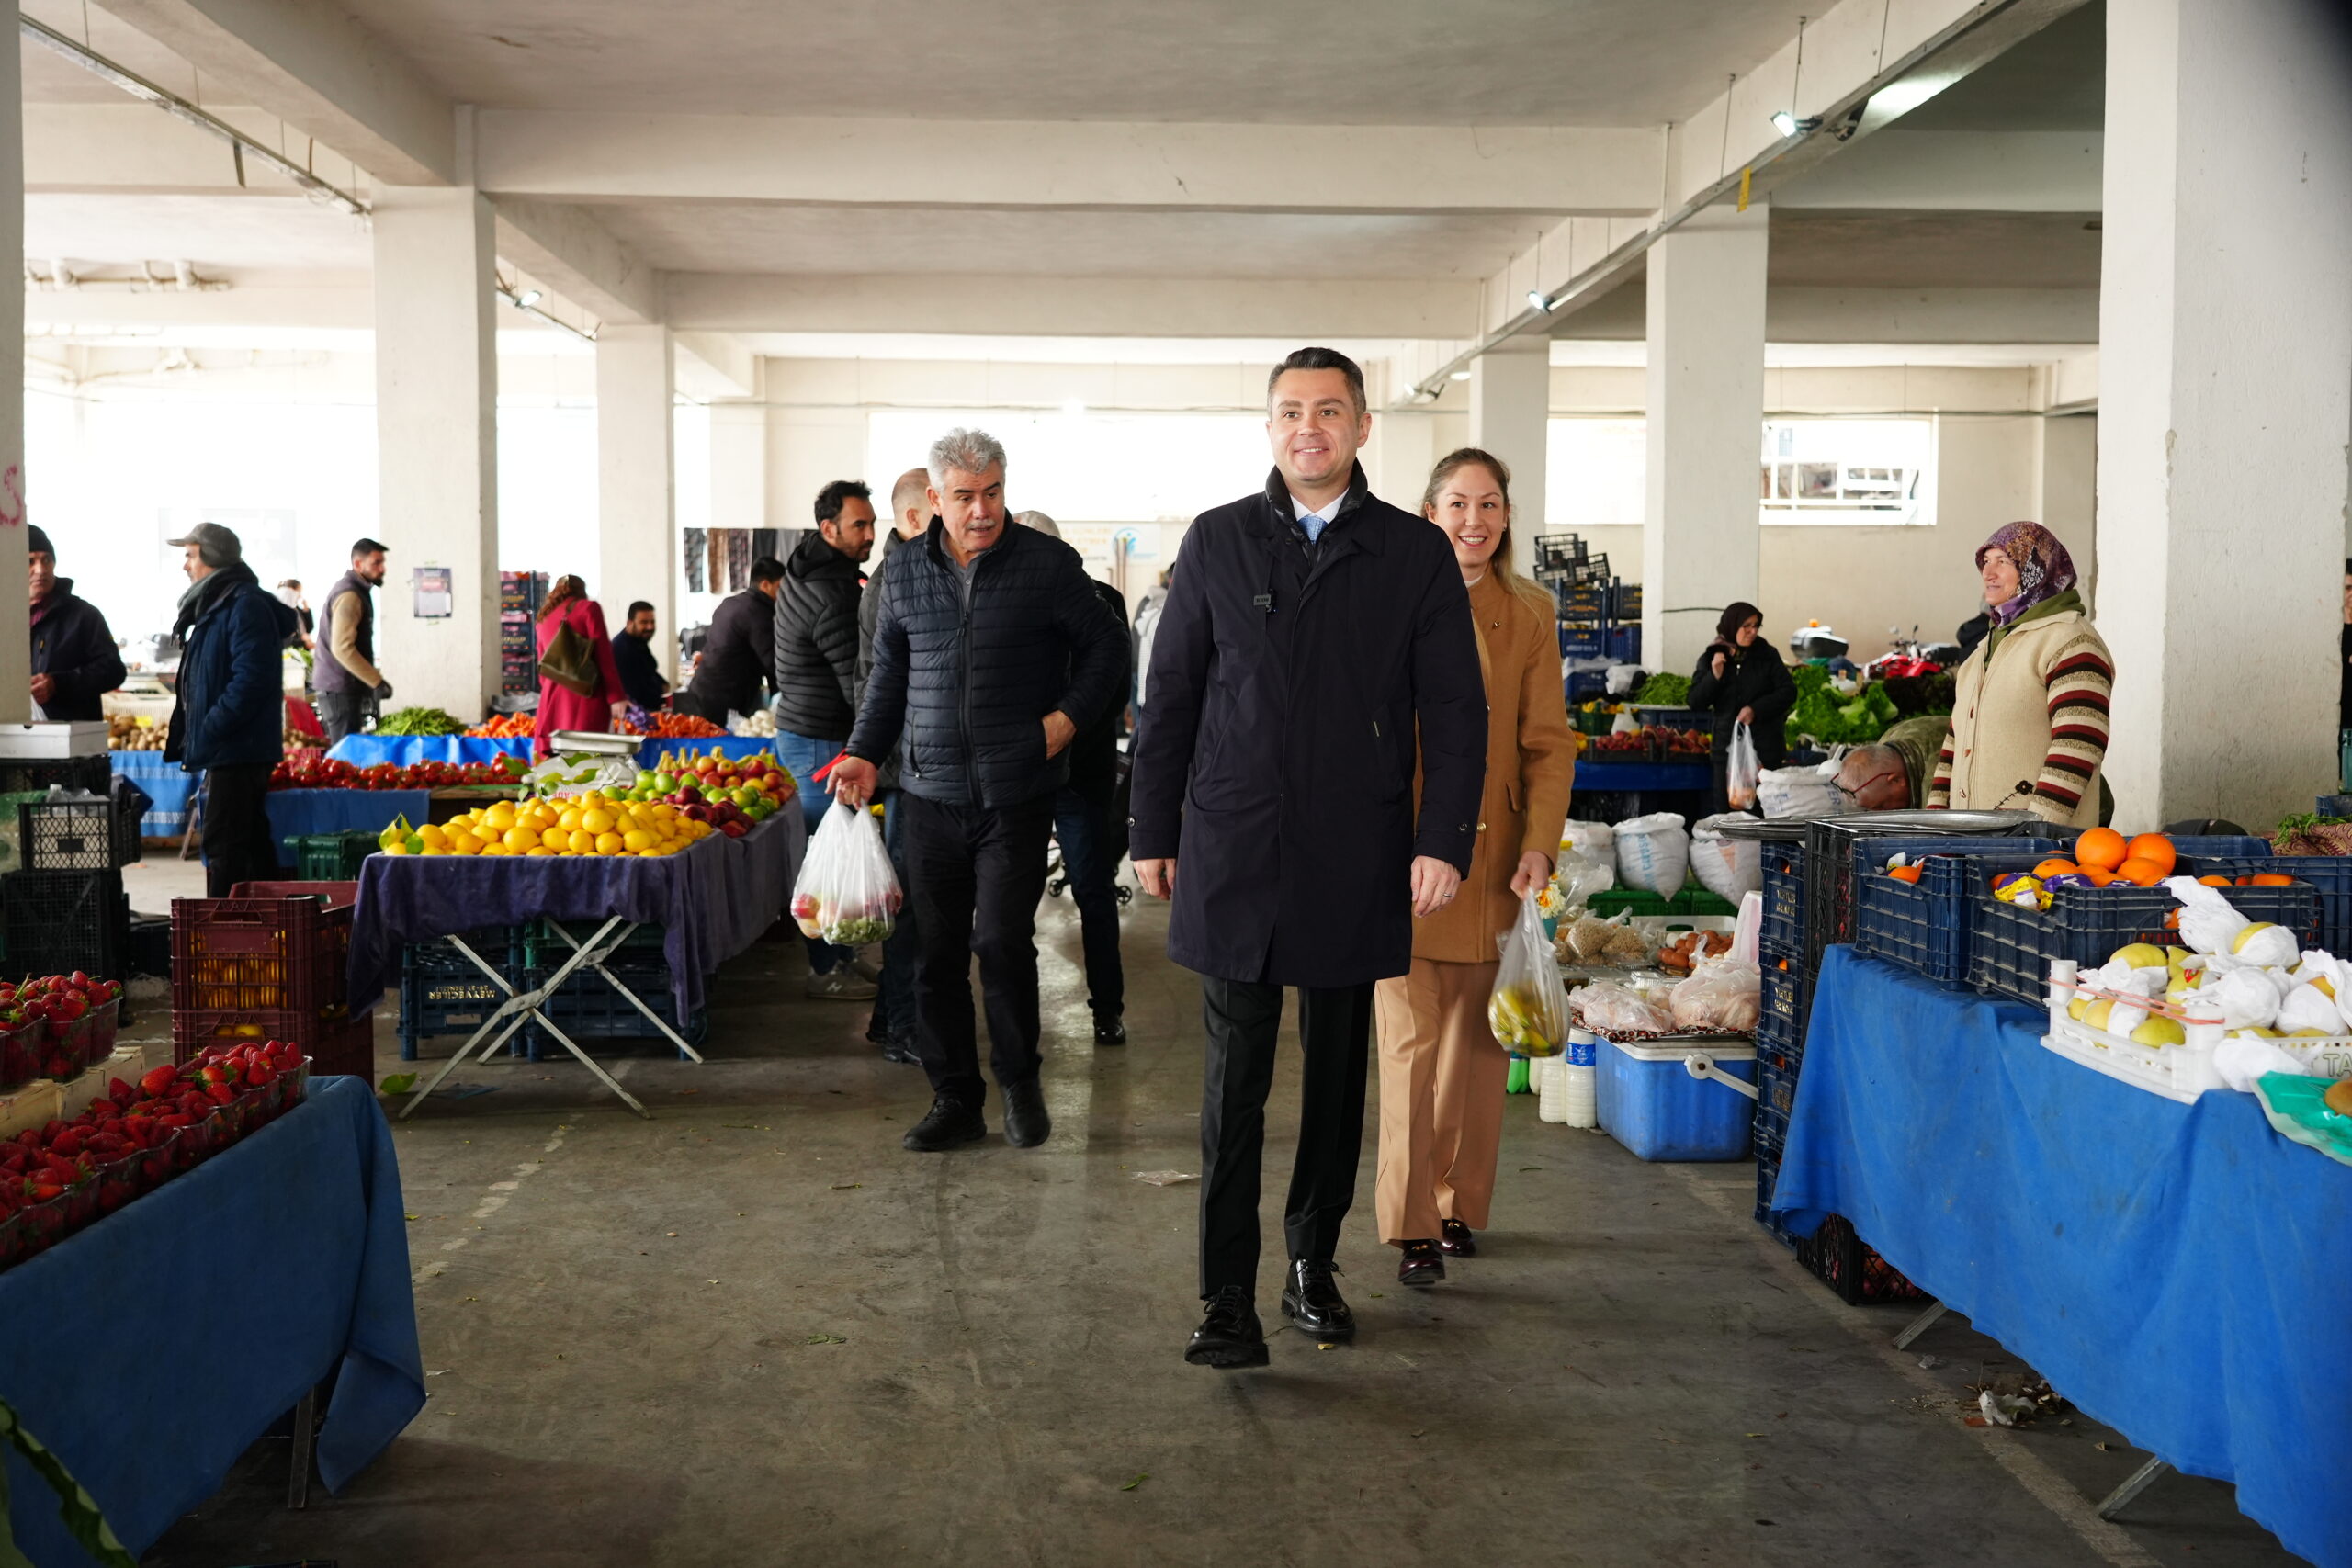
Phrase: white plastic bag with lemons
(1529, 1008)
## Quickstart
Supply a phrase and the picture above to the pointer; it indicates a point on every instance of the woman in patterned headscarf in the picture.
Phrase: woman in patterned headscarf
(2029, 706)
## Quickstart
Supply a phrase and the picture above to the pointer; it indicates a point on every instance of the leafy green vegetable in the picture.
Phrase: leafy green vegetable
(1664, 690)
(418, 721)
(1831, 718)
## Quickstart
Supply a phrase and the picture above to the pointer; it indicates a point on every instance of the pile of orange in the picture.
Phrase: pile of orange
(2105, 855)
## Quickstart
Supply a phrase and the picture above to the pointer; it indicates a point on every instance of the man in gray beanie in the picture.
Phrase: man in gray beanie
(76, 661)
(230, 717)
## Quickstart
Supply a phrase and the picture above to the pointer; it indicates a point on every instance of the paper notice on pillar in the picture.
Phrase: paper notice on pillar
(435, 592)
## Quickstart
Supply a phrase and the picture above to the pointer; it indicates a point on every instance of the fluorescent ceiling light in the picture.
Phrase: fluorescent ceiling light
(1784, 123)
(529, 298)
(1462, 375)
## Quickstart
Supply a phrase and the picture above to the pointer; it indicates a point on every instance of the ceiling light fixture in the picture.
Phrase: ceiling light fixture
(1789, 124)
(1540, 301)
(528, 301)
(524, 301)
(1462, 375)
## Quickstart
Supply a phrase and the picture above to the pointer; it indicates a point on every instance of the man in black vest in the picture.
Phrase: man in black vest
(76, 661)
(1310, 632)
(345, 677)
(990, 652)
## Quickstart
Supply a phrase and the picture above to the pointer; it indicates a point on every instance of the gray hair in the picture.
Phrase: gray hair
(968, 451)
(1040, 522)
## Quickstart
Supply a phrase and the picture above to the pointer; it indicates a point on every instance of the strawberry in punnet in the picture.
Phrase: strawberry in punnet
(158, 1081)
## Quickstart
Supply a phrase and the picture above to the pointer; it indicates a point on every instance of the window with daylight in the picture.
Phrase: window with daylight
(1869, 471)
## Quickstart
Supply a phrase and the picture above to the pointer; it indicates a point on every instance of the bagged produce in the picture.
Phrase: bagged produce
(1617, 941)
(1722, 995)
(1579, 877)
(847, 893)
(1800, 792)
(1529, 1008)
(1614, 1009)
(1740, 769)
(1594, 840)
(1729, 868)
(1653, 854)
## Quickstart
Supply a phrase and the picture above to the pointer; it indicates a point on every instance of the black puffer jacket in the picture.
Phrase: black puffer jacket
(966, 669)
(1094, 750)
(1755, 678)
(73, 648)
(816, 642)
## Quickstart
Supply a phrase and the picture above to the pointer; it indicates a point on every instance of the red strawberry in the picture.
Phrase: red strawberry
(220, 1093)
(159, 1080)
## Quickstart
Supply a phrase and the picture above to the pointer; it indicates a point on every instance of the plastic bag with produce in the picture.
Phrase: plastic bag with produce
(1579, 878)
(1614, 1009)
(1741, 768)
(847, 893)
(1722, 995)
(1529, 1008)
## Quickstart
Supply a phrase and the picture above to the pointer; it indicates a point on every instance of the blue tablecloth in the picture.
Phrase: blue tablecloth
(166, 783)
(713, 900)
(401, 750)
(1644, 777)
(2178, 1271)
(154, 1347)
(294, 811)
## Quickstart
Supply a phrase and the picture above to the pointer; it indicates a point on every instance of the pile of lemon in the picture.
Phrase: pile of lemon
(590, 824)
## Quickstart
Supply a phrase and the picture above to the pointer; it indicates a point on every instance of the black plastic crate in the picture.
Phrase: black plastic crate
(1775, 1097)
(2011, 948)
(329, 857)
(443, 992)
(151, 945)
(1923, 926)
(1557, 552)
(1625, 600)
(1847, 1265)
(68, 834)
(75, 776)
(1584, 602)
(131, 804)
(587, 1007)
(1783, 928)
(59, 921)
(1830, 846)
(2331, 874)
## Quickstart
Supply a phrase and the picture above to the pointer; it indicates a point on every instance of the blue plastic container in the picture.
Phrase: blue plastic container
(1650, 1102)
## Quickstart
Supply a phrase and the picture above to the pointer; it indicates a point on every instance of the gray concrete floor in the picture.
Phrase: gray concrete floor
(753, 1331)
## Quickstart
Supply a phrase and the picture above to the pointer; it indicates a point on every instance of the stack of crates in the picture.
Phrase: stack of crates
(329, 857)
(519, 596)
(65, 908)
(587, 1007)
(443, 992)
(269, 962)
(1599, 617)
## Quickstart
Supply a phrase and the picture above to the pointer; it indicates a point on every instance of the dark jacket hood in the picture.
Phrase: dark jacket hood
(812, 558)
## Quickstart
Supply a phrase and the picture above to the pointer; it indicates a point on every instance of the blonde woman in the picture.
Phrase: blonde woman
(1441, 1069)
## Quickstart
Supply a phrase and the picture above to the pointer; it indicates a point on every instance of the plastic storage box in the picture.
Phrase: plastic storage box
(1650, 1103)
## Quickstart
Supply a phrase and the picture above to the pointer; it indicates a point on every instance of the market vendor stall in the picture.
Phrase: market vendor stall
(713, 900)
(280, 1262)
(406, 751)
(2172, 1268)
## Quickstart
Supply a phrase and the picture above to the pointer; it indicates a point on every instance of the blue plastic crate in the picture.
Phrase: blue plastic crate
(443, 992)
(1767, 1173)
(1622, 644)
(586, 1008)
(1784, 928)
(1780, 1019)
(2331, 874)
(2011, 948)
(1776, 1098)
(1581, 642)
(1923, 926)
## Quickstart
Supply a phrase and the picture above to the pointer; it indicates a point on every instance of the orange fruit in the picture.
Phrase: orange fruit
(2157, 849)
(2214, 881)
(2057, 867)
(2270, 879)
(2141, 872)
(2172, 922)
(2099, 878)
(2102, 848)
(1903, 873)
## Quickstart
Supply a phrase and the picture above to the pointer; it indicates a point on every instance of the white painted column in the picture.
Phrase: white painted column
(1705, 434)
(637, 527)
(1398, 458)
(15, 632)
(1510, 411)
(739, 471)
(2225, 405)
(436, 437)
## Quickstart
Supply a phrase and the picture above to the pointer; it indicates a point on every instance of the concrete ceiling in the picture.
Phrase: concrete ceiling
(217, 233)
(50, 78)
(1935, 250)
(831, 240)
(1369, 63)
(2057, 80)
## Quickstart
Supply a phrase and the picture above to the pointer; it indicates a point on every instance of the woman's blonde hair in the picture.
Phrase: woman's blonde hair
(1501, 564)
(564, 590)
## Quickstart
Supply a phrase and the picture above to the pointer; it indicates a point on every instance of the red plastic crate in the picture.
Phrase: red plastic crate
(271, 957)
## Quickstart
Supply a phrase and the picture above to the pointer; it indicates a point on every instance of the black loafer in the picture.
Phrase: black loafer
(1229, 1336)
(1457, 1238)
(1025, 1123)
(1422, 1265)
(951, 1124)
(1313, 1304)
(901, 1052)
(1109, 1032)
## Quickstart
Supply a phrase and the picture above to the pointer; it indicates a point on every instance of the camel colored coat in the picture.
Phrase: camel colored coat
(1530, 769)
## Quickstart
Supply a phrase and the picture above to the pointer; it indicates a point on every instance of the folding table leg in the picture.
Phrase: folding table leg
(596, 950)
(523, 1006)
(298, 1478)
(1920, 1325)
(2138, 1482)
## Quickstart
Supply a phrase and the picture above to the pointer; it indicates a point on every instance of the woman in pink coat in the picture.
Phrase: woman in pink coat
(560, 707)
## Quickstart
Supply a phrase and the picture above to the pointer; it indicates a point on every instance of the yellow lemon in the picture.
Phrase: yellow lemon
(501, 815)
(539, 850)
(637, 839)
(464, 843)
(520, 839)
(608, 843)
(664, 813)
(495, 847)
(570, 819)
(435, 837)
(585, 841)
(397, 847)
(596, 820)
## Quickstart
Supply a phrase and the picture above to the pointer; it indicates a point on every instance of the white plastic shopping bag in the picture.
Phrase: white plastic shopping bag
(1729, 868)
(847, 893)
(1739, 778)
(1529, 1008)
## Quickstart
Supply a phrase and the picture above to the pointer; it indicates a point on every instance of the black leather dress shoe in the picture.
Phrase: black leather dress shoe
(1025, 1123)
(1312, 1302)
(1229, 1336)
(1423, 1265)
(1109, 1032)
(1457, 1238)
(901, 1052)
(951, 1124)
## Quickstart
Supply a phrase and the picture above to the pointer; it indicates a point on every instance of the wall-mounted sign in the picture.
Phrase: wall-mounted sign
(436, 593)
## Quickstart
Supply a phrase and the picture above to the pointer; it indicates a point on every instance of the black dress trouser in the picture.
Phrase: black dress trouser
(974, 877)
(238, 845)
(1244, 1018)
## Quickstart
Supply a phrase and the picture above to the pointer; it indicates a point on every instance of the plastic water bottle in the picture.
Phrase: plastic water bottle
(1551, 1088)
(1580, 1104)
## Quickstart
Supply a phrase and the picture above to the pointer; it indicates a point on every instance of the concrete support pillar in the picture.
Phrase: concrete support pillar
(16, 636)
(436, 439)
(739, 471)
(636, 526)
(1706, 435)
(1511, 412)
(2066, 464)
(1402, 451)
(2225, 405)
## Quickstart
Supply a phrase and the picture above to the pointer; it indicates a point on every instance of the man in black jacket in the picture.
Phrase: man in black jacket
(739, 656)
(1308, 631)
(815, 679)
(633, 655)
(892, 1027)
(991, 650)
(76, 661)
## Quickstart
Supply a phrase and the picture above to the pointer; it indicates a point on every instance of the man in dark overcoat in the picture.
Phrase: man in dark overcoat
(1311, 632)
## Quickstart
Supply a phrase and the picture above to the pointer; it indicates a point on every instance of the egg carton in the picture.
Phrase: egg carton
(2177, 1072)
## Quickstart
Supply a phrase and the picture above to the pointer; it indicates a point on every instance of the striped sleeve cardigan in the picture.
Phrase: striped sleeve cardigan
(2029, 724)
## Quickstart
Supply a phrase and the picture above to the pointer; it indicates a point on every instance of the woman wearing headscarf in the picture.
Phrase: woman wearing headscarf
(2029, 707)
(560, 707)
(1741, 680)
(1441, 1072)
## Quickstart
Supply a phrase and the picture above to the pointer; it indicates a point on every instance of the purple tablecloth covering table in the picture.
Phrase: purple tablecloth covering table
(712, 900)
(219, 1299)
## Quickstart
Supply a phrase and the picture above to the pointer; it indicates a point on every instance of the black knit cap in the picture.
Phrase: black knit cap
(36, 541)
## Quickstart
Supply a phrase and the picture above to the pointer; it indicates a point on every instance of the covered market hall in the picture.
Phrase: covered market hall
(1526, 781)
